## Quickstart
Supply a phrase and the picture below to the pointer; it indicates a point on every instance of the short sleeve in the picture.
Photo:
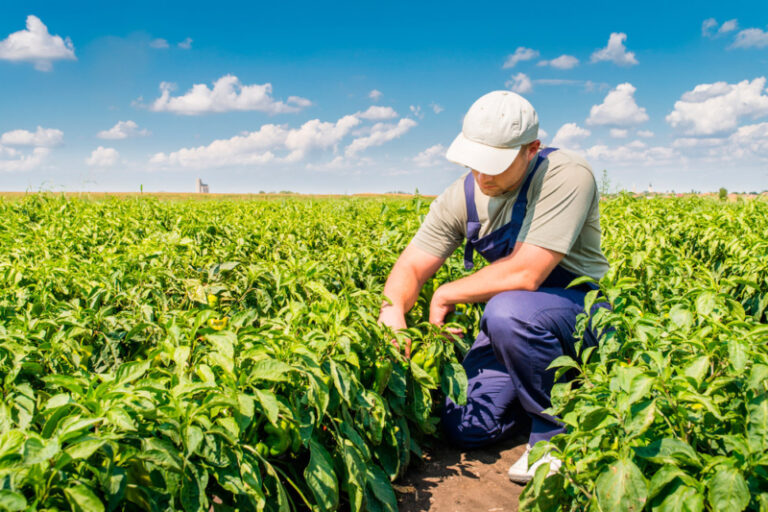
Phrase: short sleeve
(443, 228)
(556, 215)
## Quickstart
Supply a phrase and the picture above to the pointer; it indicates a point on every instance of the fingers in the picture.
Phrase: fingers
(406, 345)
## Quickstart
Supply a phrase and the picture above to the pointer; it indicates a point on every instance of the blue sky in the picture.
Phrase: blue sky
(356, 97)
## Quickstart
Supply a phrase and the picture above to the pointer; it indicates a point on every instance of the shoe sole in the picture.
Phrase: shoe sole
(522, 480)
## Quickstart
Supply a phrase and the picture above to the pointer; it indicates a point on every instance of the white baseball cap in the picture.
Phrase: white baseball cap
(495, 127)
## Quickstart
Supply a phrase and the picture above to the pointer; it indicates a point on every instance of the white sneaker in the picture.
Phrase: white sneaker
(520, 473)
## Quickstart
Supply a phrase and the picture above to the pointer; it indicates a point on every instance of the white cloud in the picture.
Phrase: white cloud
(751, 38)
(278, 144)
(43, 137)
(520, 83)
(375, 95)
(159, 43)
(615, 51)
(520, 55)
(715, 108)
(569, 136)
(431, 156)
(416, 111)
(750, 140)
(380, 134)
(103, 157)
(375, 113)
(227, 94)
(588, 85)
(704, 92)
(436, 108)
(36, 45)
(728, 26)
(19, 162)
(299, 101)
(698, 142)
(561, 62)
(707, 26)
(645, 133)
(619, 133)
(271, 143)
(634, 153)
(122, 130)
(747, 142)
(186, 44)
(542, 134)
(618, 108)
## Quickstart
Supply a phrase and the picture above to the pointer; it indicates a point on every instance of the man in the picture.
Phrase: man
(534, 215)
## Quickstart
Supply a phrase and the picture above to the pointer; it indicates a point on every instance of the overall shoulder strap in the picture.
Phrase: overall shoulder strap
(521, 205)
(473, 221)
(469, 197)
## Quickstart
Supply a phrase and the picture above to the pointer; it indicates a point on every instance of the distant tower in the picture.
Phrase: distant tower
(200, 187)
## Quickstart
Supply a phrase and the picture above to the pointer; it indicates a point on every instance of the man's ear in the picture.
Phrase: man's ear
(533, 148)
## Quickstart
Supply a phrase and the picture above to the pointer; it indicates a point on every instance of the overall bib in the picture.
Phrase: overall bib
(521, 333)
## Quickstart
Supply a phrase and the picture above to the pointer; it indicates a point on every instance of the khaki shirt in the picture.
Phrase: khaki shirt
(563, 215)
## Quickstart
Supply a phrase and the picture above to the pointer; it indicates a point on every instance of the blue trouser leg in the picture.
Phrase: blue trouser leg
(526, 331)
(492, 411)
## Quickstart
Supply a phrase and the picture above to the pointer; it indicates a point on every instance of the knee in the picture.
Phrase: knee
(507, 320)
(504, 308)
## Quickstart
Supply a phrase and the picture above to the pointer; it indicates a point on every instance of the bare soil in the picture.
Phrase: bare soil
(452, 480)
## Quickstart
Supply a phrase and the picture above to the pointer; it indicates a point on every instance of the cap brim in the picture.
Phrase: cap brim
(479, 157)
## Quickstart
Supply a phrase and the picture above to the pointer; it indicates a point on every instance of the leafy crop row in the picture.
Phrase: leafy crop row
(670, 413)
(168, 356)
(183, 355)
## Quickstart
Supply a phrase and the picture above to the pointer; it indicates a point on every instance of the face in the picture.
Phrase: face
(512, 177)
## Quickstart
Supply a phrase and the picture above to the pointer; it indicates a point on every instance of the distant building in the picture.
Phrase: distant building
(200, 187)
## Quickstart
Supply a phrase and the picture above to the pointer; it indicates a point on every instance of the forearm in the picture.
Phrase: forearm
(402, 288)
(525, 269)
(410, 272)
(485, 283)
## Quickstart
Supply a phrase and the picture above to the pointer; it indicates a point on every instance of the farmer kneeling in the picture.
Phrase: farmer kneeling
(533, 213)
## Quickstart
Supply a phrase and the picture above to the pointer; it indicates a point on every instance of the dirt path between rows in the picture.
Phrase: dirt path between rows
(449, 480)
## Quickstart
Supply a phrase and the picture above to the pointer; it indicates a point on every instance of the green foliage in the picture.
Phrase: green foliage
(671, 411)
(182, 355)
(722, 193)
(178, 356)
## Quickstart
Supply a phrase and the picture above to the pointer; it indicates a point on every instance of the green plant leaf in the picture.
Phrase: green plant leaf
(640, 419)
(82, 498)
(270, 370)
(682, 499)
(757, 428)
(82, 449)
(728, 491)
(268, 403)
(669, 451)
(454, 383)
(381, 488)
(621, 487)
(321, 477)
(12, 501)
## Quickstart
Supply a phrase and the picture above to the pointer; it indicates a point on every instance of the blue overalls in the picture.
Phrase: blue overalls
(521, 333)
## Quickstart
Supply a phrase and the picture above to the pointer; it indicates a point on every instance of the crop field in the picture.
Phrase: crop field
(184, 355)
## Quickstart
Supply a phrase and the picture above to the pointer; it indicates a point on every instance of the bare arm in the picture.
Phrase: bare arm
(410, 272)
(525, 269)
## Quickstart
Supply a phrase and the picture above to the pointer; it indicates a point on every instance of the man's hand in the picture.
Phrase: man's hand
(439, 308)
(392, 316)
(411, 271)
